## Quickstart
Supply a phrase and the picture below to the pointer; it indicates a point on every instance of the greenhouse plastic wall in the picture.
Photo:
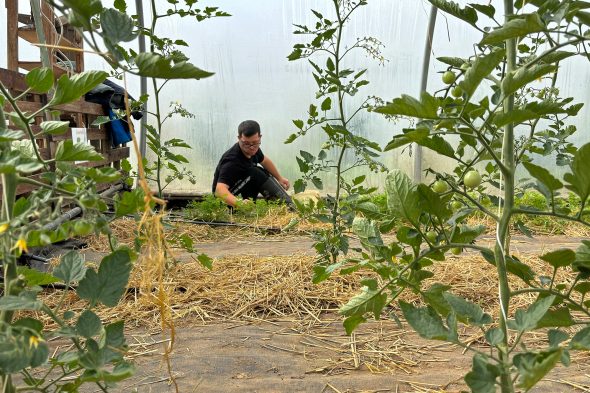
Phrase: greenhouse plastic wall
(254, 80)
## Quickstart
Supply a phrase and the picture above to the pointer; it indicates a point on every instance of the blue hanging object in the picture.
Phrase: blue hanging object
(119, 130)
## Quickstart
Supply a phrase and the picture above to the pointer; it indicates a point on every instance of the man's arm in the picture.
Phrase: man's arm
(222, 192)
(270, 166)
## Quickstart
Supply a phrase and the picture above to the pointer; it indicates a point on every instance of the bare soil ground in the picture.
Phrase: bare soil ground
(315, 354)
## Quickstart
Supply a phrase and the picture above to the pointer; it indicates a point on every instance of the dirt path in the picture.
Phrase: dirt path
(315, 355)
(275, 356)
(304, 245)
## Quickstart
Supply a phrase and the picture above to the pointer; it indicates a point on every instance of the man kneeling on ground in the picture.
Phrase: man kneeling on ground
(245, 171)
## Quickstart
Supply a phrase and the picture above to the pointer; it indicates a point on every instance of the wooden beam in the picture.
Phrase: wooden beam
(13, 80)
(82, 106)
(12, 34)
(79, 106)
(29, 34)
(93, 134)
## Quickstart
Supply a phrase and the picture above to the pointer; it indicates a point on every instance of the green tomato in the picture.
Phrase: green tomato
(83, 228)
(456, 205)
(440, 186)
(472, 179)
(87, 201)
(456, 250)
(457, 92)
(431, 236)
(448, 77)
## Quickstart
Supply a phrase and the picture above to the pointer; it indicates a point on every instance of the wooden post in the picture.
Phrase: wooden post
(12, 34)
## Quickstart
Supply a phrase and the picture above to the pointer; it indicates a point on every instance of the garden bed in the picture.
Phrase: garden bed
(255, 322)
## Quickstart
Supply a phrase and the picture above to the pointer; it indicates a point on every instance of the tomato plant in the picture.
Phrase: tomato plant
(97, 350)
(24, 220)
(336, 84)
(500, 98)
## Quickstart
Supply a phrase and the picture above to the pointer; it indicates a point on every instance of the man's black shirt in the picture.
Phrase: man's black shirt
(233, 166)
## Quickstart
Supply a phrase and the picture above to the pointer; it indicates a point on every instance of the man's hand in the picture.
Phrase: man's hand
(284, 182)
(243, 202)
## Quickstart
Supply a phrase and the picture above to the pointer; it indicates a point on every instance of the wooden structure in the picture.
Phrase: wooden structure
(58, 33)
(80, 113)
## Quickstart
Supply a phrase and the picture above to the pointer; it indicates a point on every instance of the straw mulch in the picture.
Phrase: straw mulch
(280, 287)
(124, 230)
(243, 289)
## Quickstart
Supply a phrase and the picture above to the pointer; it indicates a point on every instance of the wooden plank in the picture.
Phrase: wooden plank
(24, 106)
(45, 153)
(16, 81)
(29, 34)
(93, 134)
(12, 34)
(79, 106)
(34, 127)
(13, 80)
(25, 19)
(82, 106)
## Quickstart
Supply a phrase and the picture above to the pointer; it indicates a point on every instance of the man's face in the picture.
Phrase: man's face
(249, 144)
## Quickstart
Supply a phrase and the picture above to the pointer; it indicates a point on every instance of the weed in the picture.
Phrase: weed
(209, 209)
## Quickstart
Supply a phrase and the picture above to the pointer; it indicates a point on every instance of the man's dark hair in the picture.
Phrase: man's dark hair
(248, 128)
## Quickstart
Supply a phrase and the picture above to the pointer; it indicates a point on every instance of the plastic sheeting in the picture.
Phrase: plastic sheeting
(254, 80)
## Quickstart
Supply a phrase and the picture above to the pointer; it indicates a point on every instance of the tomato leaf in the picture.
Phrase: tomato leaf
(406, 105)
(466, 311)
(88, 324)
(468, 14)
(517, 27)
(108, 284)
(70, 89)
(40, 79)
(523, 76)
(402, 198)
(579, 179)
(533, 366)
(559, 258)
(483, 374)
(53, 127)
(154, 65)
(69, 151)
(425, 321)
(525, 320)
(116, 26)
(369, 300)
(71, 268)
(544, 176)
(479, 70)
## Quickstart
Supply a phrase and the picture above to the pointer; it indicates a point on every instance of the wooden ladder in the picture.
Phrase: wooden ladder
(57, 32)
